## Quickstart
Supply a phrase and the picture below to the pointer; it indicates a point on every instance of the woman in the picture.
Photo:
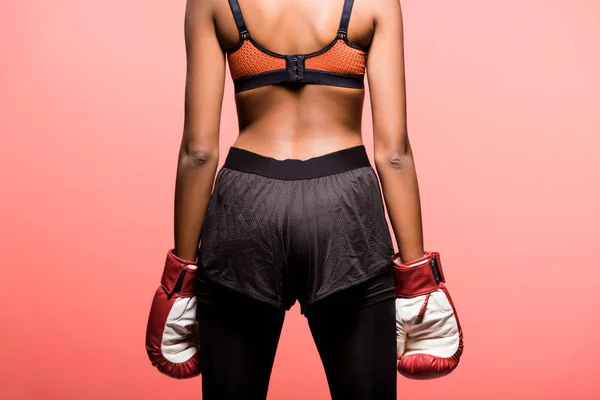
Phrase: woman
(296, 212)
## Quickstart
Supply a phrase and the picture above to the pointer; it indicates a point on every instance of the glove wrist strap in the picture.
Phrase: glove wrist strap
(178, 275)
(419, 277)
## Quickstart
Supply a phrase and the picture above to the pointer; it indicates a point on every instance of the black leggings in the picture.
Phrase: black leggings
(356, 343)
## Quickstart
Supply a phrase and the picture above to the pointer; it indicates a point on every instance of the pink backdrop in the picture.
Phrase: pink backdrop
(504, 119)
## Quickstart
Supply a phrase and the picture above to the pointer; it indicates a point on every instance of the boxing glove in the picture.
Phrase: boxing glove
(171, 334)
(429, 335)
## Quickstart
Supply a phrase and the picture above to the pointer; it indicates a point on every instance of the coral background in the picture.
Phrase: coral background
(504, 120)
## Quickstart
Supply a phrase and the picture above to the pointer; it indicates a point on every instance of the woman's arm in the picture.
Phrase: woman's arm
(393, 156)
(199, 152)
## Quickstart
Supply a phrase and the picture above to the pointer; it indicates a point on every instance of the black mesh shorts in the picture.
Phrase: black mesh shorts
(286, 230)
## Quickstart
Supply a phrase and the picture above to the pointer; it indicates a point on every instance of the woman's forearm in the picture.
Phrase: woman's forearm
(400, 188)
(195, 178)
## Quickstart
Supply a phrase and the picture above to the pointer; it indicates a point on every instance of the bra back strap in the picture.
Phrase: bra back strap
(345, 20)
(239, 18)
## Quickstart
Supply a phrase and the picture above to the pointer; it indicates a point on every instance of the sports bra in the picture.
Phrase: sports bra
(340, 63)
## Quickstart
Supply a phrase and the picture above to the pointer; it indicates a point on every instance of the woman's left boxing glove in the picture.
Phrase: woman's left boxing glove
(170, 335)
(430, 338)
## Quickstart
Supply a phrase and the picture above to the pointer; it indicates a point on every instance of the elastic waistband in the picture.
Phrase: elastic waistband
(291, 168)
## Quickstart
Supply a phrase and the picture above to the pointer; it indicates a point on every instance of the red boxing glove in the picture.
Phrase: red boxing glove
(172, 325)
(430, 339)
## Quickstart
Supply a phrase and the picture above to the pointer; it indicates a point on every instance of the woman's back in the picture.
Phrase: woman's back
(304, 120)
(298, 70)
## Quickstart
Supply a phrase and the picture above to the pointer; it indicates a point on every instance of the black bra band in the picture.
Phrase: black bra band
(280, 76)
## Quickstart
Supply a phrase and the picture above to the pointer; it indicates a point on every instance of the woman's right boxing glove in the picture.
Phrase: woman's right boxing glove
(430, 339)
(170, 335)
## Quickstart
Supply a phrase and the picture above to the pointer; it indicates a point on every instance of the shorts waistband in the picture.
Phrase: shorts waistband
(291, 168)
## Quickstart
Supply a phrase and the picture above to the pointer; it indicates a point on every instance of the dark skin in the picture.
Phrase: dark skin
(282, 123)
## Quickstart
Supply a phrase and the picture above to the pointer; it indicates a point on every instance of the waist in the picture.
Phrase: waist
(327, 164)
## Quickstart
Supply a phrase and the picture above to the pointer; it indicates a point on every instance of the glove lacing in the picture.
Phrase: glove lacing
(421, 314)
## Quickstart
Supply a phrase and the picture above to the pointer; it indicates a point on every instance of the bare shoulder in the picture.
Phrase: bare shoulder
(199, 12)
(369, 15)
(386, 11)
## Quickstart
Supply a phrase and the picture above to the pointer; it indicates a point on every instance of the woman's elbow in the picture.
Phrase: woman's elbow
(398, 156)
(198, 155)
